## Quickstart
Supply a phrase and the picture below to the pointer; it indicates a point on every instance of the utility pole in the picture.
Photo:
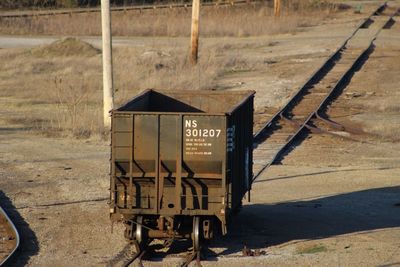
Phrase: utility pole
(108, 94)
(195, 31)
(277, 8)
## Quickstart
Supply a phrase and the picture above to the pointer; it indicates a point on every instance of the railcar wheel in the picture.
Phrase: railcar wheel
(139, 236)
(196, 235)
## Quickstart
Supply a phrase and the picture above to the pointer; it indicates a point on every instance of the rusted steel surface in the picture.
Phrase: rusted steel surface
(308, 103)
(9, 237)
(180, 153)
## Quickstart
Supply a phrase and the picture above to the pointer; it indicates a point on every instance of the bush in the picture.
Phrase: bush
(12, 4)
(26, 3)
(66, 3)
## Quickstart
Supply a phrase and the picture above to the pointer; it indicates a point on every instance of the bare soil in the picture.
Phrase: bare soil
(331, 201)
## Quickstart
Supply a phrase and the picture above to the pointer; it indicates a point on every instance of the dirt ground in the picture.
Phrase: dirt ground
(331, 201)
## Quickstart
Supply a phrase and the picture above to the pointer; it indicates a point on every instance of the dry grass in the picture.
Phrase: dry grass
(170, 68)
(385, 105)
(59, 86)
(386, 128)
(311, 249)
(56, 90)
(75, 107)
(247, 20)
(384, 121)
(59, 91)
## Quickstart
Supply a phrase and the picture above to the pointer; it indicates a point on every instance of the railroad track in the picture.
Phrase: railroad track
(304, 109)
(40, 13)
(132, 252)
(9, 237)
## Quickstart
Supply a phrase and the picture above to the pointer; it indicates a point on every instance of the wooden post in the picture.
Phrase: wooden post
(277, 8)
(195, 31)
(108, 94)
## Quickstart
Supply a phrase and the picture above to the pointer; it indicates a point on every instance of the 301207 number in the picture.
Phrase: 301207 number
(203, 132)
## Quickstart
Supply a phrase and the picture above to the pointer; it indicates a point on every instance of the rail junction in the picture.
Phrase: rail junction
(305, 109)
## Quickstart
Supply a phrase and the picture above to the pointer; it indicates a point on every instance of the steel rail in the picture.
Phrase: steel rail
(16, 236)
(137, 256)
(314, 79)
(192, 256)
(35, 13)
(126, 256)
(259, 135)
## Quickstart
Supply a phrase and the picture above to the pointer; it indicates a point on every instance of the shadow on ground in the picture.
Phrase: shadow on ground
(319, 173)
(260, 226)
(29, 245)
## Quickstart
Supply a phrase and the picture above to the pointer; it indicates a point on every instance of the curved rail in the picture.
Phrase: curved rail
(6, 225)
(325, 81)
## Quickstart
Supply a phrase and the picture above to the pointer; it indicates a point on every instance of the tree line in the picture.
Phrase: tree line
(12, 4)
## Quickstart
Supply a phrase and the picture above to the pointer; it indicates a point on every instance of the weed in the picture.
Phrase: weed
(61, 89)
(240, 21)
(312, 249)
(61, 92)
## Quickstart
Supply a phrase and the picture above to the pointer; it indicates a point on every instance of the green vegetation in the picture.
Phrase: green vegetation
(312, 249)
(37, 3)
(11, 4)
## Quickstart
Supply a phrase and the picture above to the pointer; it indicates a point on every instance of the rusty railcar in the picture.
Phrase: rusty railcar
(181, 162)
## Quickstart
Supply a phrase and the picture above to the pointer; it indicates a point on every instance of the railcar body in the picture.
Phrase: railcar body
(181, 162)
